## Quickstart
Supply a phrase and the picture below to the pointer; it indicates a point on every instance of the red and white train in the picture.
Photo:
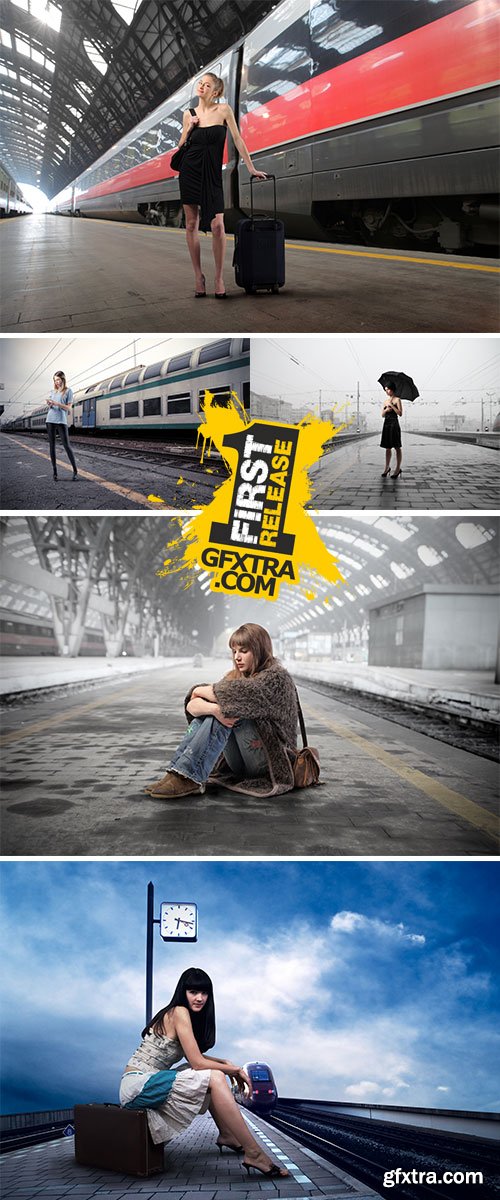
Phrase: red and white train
(379, 119)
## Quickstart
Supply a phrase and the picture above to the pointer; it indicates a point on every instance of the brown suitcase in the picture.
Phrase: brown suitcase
(116, 1139)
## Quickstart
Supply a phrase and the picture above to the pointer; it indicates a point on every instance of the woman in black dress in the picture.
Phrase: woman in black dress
(391, 431)
(200, 176)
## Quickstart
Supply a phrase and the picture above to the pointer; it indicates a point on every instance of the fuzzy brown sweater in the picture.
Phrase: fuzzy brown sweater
(268, 698)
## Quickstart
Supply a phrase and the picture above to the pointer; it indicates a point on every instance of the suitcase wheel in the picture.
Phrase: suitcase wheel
(250, 291)
(275, 289)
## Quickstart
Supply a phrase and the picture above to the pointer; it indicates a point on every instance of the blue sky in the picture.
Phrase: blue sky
(372, 981)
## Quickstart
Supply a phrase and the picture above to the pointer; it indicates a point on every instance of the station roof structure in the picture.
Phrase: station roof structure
(380, 557)
(77, 75)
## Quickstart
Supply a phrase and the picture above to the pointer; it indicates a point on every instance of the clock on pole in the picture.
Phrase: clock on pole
(178, 921)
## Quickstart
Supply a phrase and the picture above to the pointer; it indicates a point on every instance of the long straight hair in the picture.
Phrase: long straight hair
(61, 375)
(203, 1022)
(254, 638)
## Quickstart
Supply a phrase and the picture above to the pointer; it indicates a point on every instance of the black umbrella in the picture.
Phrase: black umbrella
(400, 383)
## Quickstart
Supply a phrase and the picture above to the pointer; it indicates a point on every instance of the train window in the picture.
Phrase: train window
(245, 345)
(131, 408)
(152, 406)
(261, 1074)
(216, 350)
(223, 395)
(246, 393)
(115, 412)
(180, 362)
(133, 376)
(179, 404)
(115, 383)
(154, 369)
(283, 62)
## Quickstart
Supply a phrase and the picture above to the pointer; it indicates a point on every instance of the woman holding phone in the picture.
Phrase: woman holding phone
(59, 405)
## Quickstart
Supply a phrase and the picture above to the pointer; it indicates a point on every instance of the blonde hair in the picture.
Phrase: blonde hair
(218, 82)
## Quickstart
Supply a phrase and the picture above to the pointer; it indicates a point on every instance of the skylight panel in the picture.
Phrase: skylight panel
(95, 56)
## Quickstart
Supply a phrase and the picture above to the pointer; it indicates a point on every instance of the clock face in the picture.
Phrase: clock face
(178, 922)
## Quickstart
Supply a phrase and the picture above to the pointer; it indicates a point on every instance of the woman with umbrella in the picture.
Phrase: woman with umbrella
(392, 409)
(397, 386)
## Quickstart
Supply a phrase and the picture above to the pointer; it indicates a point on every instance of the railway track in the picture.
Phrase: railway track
(179, 454)
(22, 1139)
(369, 1148)
(481, 739)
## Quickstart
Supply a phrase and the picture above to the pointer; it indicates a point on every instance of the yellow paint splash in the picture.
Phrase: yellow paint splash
(310, 552)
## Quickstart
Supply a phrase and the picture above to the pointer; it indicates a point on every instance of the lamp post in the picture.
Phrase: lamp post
(178, 922)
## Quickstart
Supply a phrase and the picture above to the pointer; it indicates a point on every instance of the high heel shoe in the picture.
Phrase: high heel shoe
(386, 473)
(75, 475)
(220, 295)
(395, 475)
(273, 1172)
(55, 476)
(227, 1146)
(202, 295)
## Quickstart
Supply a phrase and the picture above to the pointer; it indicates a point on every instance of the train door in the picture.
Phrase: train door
(88, 413)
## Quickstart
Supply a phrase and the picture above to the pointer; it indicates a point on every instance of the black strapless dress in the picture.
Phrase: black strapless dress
(200, 177)
(391, 433)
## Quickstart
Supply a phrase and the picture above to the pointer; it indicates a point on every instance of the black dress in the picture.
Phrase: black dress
(200, 176)
(391, 432)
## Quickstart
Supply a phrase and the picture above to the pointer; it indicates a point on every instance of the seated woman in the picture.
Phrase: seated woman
(243, 726)
(173, 1097)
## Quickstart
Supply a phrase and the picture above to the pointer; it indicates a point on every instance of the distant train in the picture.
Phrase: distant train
(379, 119)
(12, 201)
(33, 635)
(264, 1096)
(165, 397)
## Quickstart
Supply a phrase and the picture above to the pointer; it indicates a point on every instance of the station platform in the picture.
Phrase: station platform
(75, 768)
(114, 481)
(91, 275)
(24, 674)
(436, 474)
(194, 1170)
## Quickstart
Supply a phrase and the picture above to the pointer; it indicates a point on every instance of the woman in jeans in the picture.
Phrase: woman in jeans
(59, 404)
(241, 728)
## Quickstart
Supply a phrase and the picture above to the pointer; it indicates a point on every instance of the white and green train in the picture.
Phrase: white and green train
(164, 397)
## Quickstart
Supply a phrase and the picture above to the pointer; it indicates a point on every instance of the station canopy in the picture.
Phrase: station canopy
(381, 557)
(76, 75)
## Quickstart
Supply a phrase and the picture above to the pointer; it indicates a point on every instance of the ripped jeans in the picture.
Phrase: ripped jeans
(206, 739)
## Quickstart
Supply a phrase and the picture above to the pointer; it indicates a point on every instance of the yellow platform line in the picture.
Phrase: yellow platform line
(312, 249)
(18, 735)
(105, 483)
(446, 797)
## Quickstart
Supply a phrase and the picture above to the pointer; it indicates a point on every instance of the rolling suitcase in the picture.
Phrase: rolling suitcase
(259, 250)
(116, 1139)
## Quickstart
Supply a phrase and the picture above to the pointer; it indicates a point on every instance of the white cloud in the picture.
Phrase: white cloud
(362, 1090)
(353, 922)
(440, 1088)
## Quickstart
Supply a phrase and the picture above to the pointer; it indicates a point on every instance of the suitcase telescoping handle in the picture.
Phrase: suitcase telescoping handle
(252, 177)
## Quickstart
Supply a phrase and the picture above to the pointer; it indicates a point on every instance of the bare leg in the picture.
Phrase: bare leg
(228, 1117)
(387, 461)
(399, 455)
(219, 249)
(192, 215)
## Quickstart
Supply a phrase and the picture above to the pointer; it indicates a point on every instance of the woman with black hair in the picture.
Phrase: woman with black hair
(392, 409)
(174, 1096)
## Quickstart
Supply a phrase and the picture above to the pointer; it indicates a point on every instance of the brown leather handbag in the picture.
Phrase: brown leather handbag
(306, 761)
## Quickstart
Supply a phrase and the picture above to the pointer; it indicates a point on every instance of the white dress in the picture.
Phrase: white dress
(172, 1097)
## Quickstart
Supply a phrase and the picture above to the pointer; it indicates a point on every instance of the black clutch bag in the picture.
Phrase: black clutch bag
(178, 155)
